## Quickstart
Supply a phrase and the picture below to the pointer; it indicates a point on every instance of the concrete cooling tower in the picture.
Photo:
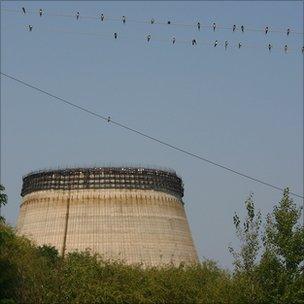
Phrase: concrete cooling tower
(131, 214)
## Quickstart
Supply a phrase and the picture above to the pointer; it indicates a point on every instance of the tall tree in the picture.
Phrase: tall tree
(284, 235)
(3, 201)
(248, 233)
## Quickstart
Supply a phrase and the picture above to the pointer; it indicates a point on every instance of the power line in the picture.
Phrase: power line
(197, 25)
(172, 40)
(126, 127)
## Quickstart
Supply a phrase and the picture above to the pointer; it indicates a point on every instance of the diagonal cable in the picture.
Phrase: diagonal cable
(126, 127)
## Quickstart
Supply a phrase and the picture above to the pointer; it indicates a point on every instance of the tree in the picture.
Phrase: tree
(278, 277)
(50, 253)
(284, 236)
(280, 272)
(249, 235)
(3, 201)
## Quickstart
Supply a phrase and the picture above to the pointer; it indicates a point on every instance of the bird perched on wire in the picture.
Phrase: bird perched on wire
(124, 19)
(239, 45)
(226, 44)
(269, 47)
(288, 31)
(23, 10)
(115, 35)
(40, 12)
(152, 21)
(173, 40)
(102, 17)
(242, 28)
(234, 28)
(214, 26)
(285, 48)
(215, 43)
(77, 15)
(109, 119)
(193, 42)
(168, 22)
(30, 27)
(199, 26)
(266, 30)
(148, 38)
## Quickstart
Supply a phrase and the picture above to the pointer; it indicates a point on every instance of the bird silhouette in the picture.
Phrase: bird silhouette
(266, 30)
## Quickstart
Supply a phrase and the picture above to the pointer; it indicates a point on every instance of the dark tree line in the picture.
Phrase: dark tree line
(268, 268)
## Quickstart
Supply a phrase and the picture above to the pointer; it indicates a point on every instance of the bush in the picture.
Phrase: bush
(31, 274)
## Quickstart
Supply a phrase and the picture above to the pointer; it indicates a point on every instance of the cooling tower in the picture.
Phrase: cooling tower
(131, 214)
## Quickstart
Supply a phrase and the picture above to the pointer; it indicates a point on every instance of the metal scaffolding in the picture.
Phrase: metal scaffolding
(103, 178)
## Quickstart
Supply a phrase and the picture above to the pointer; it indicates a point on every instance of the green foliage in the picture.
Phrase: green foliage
(248, 234)
(37, 275)
(50, 253)
(268, 269)
(284, 237)
(3, 200)
(278, 277)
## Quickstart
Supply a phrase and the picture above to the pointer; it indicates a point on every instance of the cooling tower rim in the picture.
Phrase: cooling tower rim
(103, 178)
(106, 167)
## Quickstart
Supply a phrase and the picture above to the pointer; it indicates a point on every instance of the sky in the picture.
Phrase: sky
(242, 108)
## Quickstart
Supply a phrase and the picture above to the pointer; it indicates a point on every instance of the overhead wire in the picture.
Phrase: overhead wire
(109, 120)
(195, 42)
(167, 23)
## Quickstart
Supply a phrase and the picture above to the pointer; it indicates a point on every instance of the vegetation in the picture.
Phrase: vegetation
(269, 268)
